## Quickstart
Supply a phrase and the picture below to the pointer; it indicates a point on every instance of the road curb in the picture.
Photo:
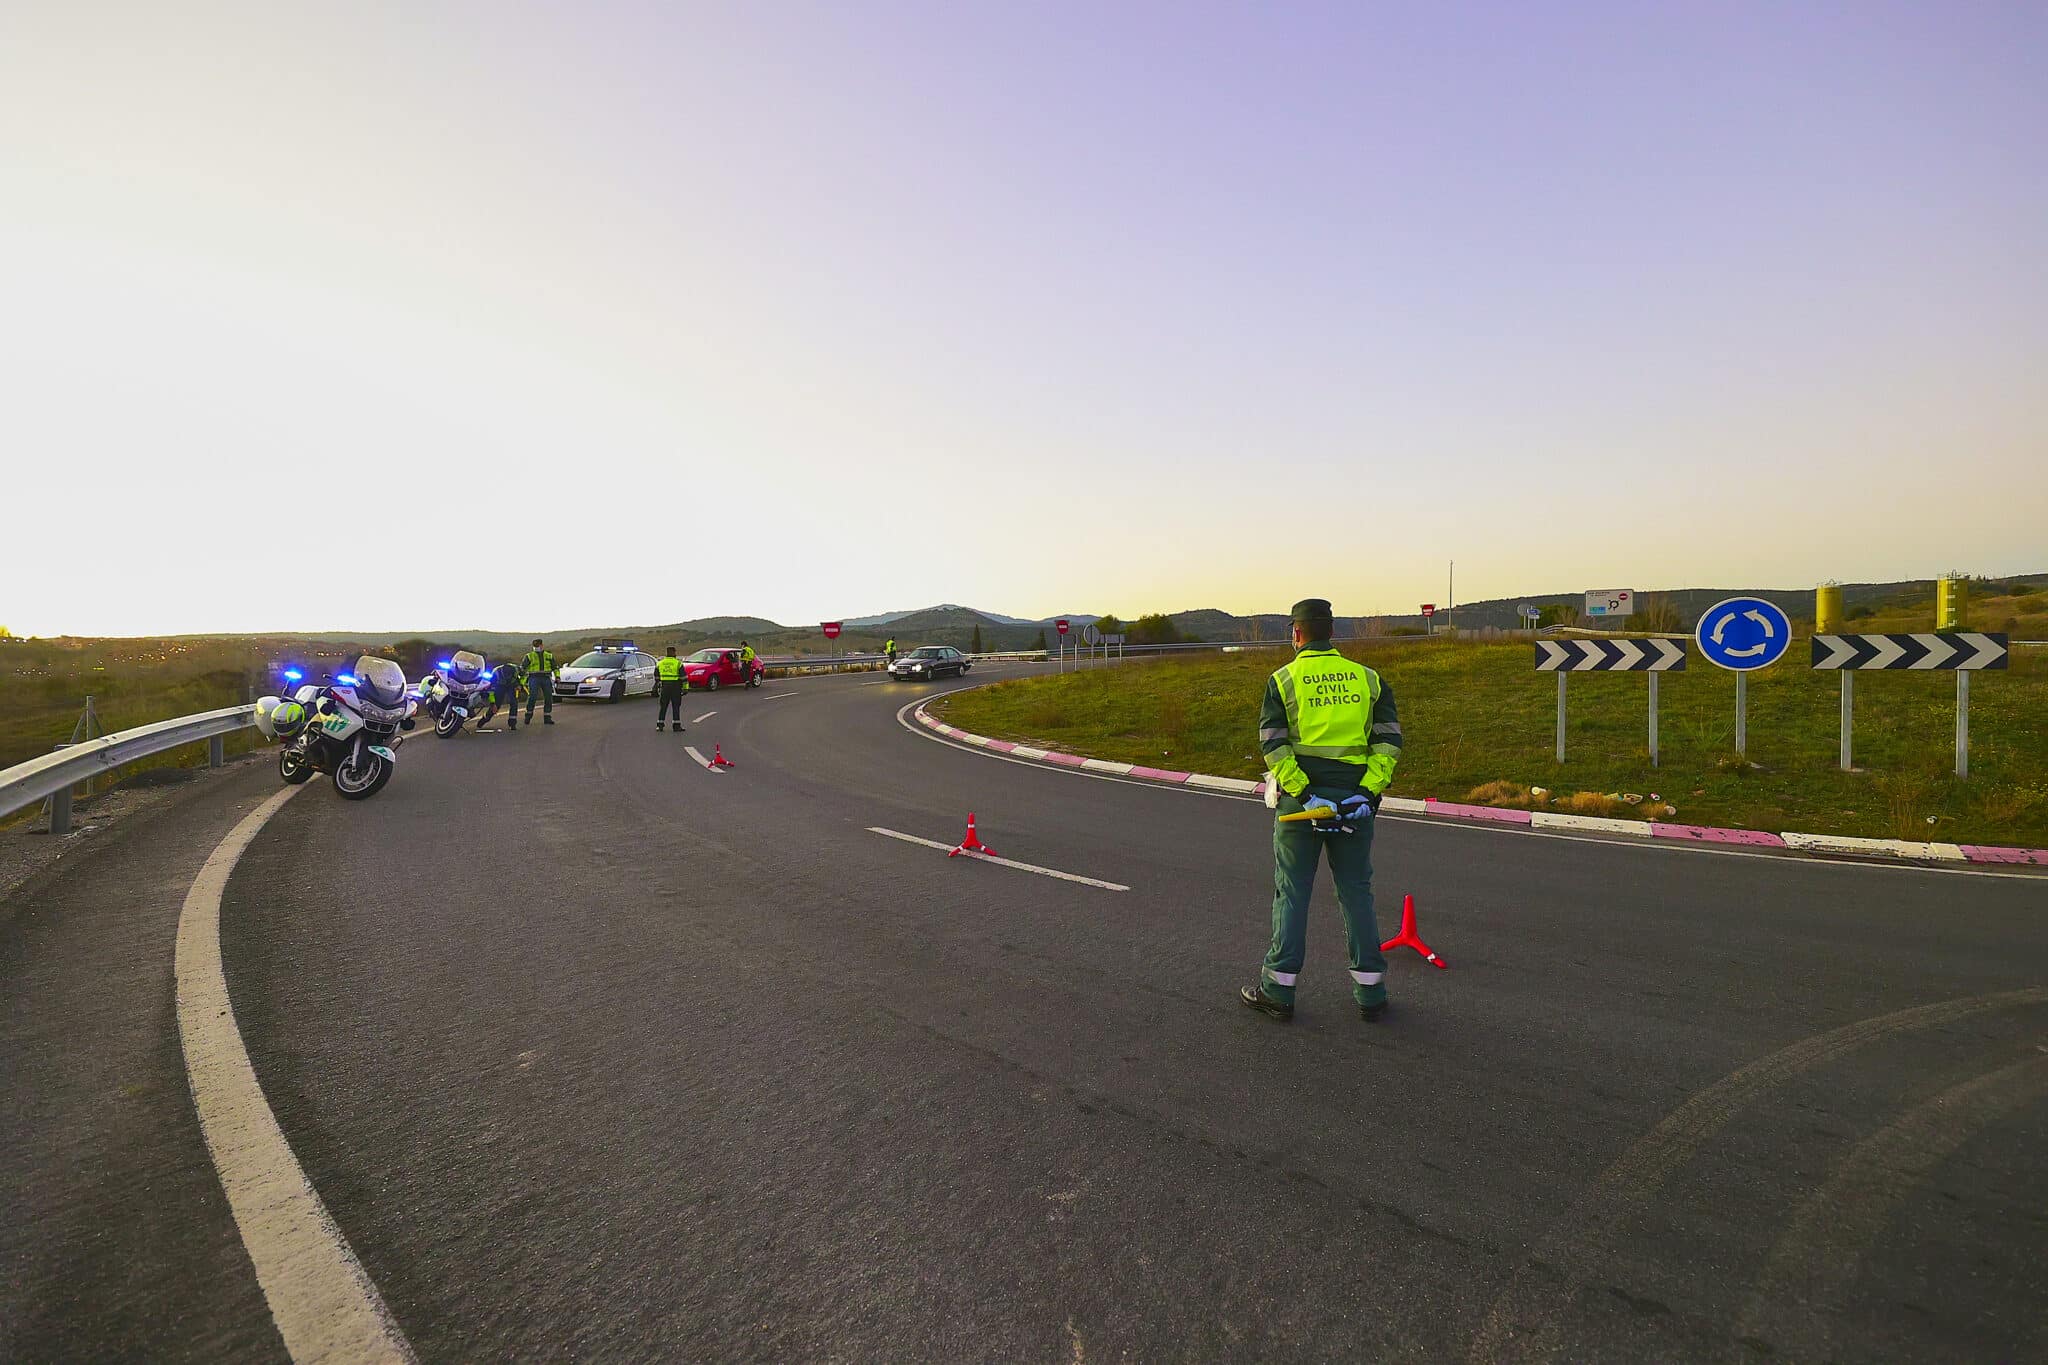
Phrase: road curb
(1833, 845)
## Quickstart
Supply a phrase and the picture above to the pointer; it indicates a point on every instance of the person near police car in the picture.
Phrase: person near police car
(671, 682)
(1331, 738)
(503, 691)
(747, 657)
(890, 649)
(539, 669)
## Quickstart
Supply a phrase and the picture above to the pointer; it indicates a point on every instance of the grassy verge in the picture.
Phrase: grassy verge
(1479, 725)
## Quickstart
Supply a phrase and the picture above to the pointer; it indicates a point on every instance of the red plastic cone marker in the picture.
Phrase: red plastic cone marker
(719, 760)
(972, 843)
(1408, 938)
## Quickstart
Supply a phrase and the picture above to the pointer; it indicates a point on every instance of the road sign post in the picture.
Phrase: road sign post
(1429, 618)
(1743, 634)
(1061, 625)
(1963, 652)
(1564, 657)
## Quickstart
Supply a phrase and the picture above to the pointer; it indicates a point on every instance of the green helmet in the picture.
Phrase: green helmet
(288, 719)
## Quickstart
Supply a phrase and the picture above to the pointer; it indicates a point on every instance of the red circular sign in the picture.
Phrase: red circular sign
(1061, 626)
(831, 630)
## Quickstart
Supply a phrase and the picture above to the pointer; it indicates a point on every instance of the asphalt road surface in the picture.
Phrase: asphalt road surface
(594, 1053)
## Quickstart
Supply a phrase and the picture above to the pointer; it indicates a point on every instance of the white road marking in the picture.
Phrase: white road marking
(779, 696)
(701, 719)
(1000, 862)
(323, 1303)
(702, 761)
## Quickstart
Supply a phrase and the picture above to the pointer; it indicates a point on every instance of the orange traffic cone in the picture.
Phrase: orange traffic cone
(1408, 938)
(972, 843)
(719, 760)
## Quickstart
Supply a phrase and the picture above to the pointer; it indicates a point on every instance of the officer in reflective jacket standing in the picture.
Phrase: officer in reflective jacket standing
(668, 673)
(539, 668)
(1331, 738)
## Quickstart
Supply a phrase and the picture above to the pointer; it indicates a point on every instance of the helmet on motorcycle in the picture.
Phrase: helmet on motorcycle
(264, 706)
(287, 719)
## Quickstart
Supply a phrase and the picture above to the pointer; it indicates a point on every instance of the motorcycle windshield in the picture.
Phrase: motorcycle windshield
(380, 681)
(466, 666)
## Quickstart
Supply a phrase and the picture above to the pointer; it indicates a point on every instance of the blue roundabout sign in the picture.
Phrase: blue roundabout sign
(1743, 633)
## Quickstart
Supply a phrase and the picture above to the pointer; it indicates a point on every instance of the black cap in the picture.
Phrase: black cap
(536, 641)
(1312, 611)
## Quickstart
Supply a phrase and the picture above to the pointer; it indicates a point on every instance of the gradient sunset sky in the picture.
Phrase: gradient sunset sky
(646, 312)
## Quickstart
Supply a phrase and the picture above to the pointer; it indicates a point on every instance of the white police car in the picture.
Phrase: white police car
(613, 671)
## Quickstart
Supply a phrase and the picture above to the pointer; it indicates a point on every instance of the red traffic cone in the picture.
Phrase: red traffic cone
(1408, 938)
(972, 843)
(719, 760)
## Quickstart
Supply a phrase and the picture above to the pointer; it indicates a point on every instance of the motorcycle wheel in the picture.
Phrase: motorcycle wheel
(294, 767)
(357, 783)
(447, 724)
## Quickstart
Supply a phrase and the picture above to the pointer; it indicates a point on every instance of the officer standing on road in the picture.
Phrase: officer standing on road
(668, 671)
(890, 649)
(539, 668)
(1331, 738)
(746, 661)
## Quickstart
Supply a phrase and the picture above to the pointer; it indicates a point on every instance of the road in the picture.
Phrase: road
(593, 1052)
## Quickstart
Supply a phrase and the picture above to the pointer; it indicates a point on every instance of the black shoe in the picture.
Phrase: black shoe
(679, 729)
(1254, 998)
(659, 726)
(1371, 1013)
(547, 720)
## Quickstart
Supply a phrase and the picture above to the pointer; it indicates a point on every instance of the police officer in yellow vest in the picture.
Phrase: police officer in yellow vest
(672, 682)
(1331, 738)
(539, 669)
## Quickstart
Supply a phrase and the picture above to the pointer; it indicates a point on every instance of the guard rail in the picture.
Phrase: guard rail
(55, 774)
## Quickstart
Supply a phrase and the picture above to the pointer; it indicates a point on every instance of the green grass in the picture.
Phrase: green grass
(1479, 713)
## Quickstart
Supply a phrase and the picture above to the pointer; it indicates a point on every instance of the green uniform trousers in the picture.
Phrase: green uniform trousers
(1296, 849)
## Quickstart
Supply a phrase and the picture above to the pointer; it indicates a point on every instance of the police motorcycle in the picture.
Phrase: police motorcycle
(454, 691)
(348, 728)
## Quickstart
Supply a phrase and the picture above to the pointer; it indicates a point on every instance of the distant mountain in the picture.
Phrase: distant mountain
(724, 625)
(890, 618)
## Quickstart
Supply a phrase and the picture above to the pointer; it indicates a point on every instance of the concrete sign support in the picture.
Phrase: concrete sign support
(1962, 652)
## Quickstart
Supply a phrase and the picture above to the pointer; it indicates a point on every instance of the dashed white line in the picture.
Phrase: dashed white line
(323, 1303)
(779, 696)
(999, 862)
(694, 752)
(701, 719)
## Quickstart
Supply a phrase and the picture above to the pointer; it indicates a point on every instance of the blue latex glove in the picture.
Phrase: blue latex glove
(1357, 809)
(1320, 809)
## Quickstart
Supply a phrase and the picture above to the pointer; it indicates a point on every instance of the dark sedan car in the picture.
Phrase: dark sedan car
(930, 661)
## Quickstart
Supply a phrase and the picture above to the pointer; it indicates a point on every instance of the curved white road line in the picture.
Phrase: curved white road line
(1441, 822)
(322, 1301)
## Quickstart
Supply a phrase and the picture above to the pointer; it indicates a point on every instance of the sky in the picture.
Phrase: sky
(506, 316)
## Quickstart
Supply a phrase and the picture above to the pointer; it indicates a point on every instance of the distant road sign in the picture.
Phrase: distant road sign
(1090, 635)
(1743, 634)
(1960, 650)
(832, 629)
(1610, 656)
(1429, 608)
(1611, 602)
(1527, 612)
(1060, 625)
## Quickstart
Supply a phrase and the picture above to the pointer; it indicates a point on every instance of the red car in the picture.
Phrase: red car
(711, 669)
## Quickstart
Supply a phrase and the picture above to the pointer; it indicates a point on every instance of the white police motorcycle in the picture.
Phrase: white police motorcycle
(454, 691)
(347, 729)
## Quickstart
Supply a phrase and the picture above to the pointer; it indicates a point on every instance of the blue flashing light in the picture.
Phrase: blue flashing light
(293, 674)
(445, 663)
(349, 679)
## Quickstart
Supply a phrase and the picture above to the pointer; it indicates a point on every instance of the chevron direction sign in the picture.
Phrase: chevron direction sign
(1610, 656)
(1945, 651)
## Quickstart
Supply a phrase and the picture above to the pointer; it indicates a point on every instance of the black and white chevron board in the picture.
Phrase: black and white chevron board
(1609, 656)
(1944, 651)
(1564, 657)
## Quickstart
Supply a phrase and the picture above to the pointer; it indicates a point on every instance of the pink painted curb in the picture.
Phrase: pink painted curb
(1992, 853)
(1698, 834)
(1432, 806)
